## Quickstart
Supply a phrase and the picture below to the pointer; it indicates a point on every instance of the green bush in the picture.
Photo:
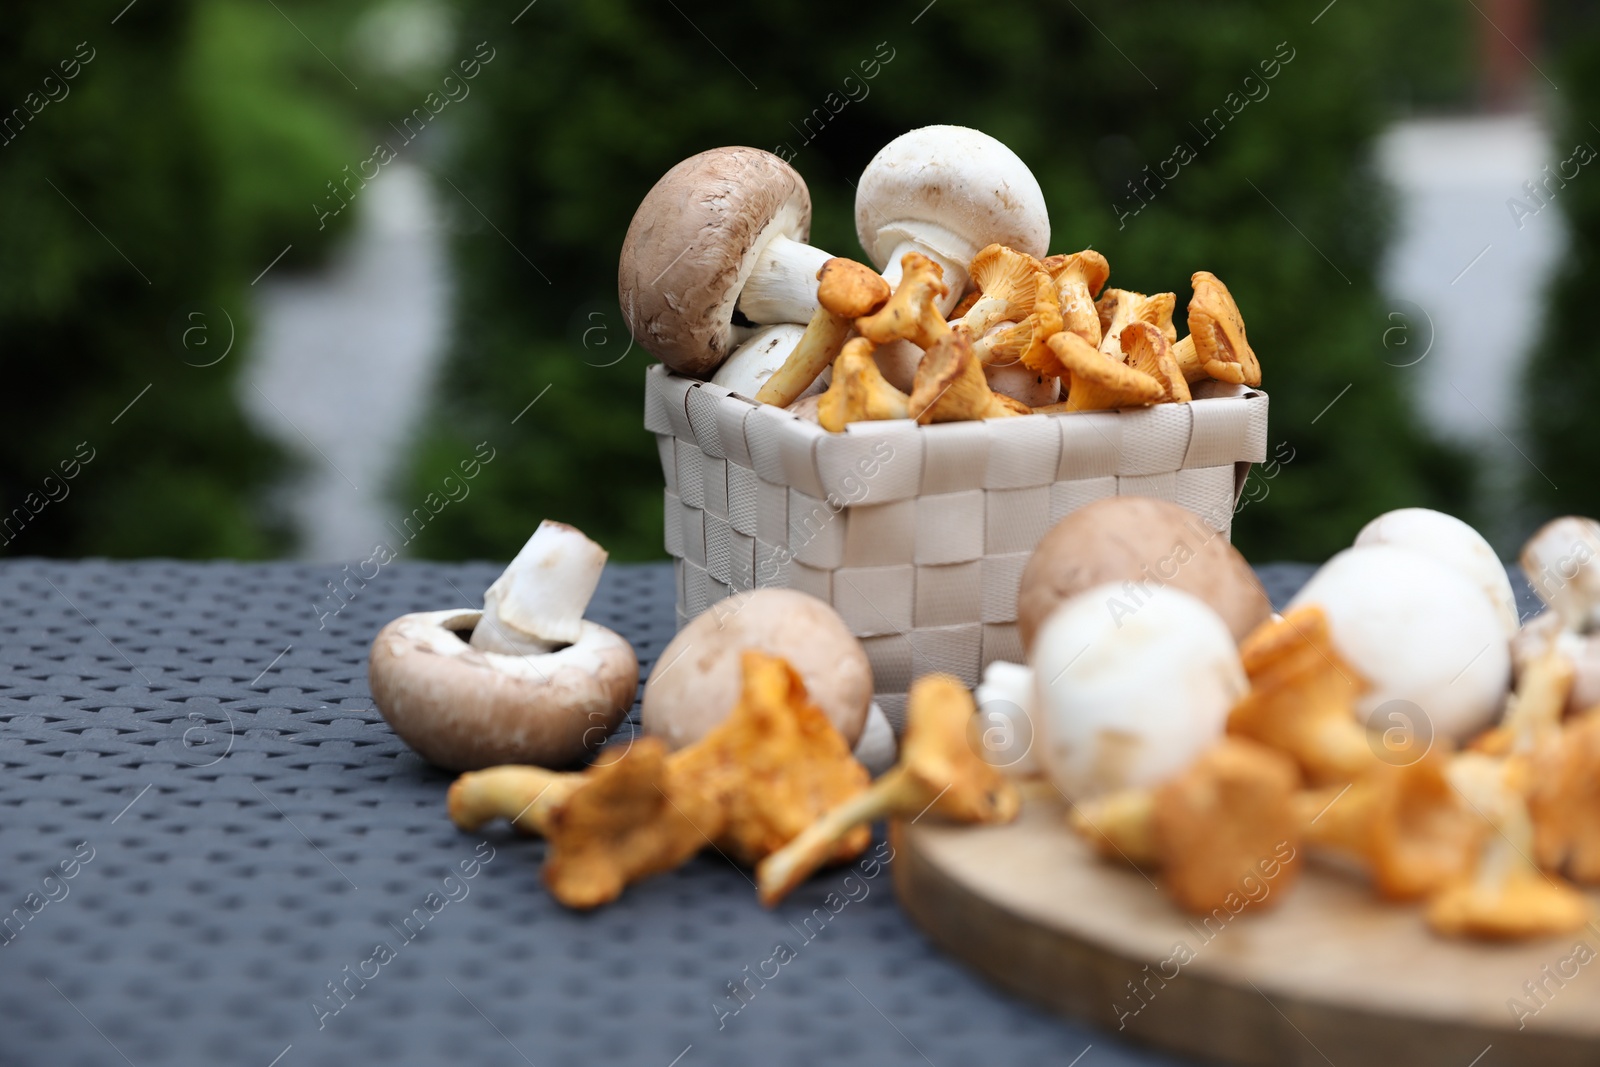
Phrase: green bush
(1562, 385)
(176, 162)
(592, 102)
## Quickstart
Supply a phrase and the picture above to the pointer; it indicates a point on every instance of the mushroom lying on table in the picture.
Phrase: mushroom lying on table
(1450, 541)
(525, 680)
(721, 234)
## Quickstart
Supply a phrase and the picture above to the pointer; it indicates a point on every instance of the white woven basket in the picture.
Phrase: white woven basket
(917, 535)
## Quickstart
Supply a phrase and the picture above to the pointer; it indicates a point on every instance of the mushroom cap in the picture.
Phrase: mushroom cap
(1096, 381)
(465, 709)
(1129, 696)
(1559, 561)
(952, 189)
(1217, 327)
(758, 358)
(1144, 541)
(1417, 630)
(1543, 632)
(697, 679)
(1450, 541)
(693, 244)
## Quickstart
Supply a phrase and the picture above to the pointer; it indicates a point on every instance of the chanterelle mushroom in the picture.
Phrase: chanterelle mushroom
(1218, 829)
(1127, 698)
(1097, 382)
(1078, 278)
(1026, 341)
(1146, 349)
(846, 291)
(1120, 307)
(621, 820)
(946, 192)
(1426, 638)
(858, 392)
(1565, 800)
(773, 765)
(526, 680)
(938, 773)
(698, 676)
(1143, 544)
(722, 231)
(912, 312)
(1004, 278)
(950, 386)
(1216, 346)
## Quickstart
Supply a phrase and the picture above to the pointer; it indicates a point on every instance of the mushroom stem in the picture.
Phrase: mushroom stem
(846, 291)
(951, 387)
(783, 285)
(540, 598)
(858, 392)
(1534, 710)
(954, 273)
(526, 796)
(786, 868)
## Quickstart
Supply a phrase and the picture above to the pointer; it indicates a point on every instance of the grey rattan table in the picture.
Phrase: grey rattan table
(207, 831)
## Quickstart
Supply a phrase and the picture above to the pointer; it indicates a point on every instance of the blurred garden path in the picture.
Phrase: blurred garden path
(1466, 274)
(344, 359)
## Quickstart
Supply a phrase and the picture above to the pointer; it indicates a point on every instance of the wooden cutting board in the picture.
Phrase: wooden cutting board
(1328, 976)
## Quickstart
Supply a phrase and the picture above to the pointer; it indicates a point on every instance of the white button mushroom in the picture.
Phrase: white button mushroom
(1562, 563)
(1006, 710)
(722, 231)
(946, 192)
(526, 680)
(1450, 541)
(697, 678)
(1419, 632)
(759, 358)
(1127, 701)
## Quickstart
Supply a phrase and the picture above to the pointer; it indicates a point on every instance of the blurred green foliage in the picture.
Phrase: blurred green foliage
(591, 102)
(1561, 391)
(138, 198)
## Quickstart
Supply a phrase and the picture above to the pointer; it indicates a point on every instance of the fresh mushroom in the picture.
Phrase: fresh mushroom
(758, 358)
(1219, 829)
(1302, 698)
(773, 765)
(1078, 278)
(1127, 700)
(1216, 346)
(950, 386)
(1025, 341)
(1427, 638)
(1097, 382)
(1007, 709)
(1562, 563)
(1120, 307)
(721, 234)
(1022, 384)
(1564, 800)
(912, 312)
(697, 677)
(1450, 541)
(1404, 825)
(858, 392)
(1146, 349)
(946, 192)
(525, 680)
(878, 747)
(1505, 896)
(620, 821)
(846, 291)
(1142, 544)
(938, 773)
(1006, 289)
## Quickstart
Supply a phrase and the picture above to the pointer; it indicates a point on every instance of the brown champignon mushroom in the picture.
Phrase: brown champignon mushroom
(1146, 349)
(1095, 381)
(1225, 821)
(722, 232)
(697, 678)
(1078, 279)
(858, 392)
(846, 291)
(951, 387)
(1216, 346)
(1144, 543)
(526, 680)
(938, 772)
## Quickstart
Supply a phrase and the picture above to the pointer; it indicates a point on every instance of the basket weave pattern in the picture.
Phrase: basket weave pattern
(917, 535)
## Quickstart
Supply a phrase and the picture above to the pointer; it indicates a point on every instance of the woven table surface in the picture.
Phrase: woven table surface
(207, 832)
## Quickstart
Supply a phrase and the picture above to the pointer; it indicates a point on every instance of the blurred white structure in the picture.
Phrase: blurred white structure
(1466, 274)
(343, 361)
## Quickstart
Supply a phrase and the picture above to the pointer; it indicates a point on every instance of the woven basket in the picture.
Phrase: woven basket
(917, 535)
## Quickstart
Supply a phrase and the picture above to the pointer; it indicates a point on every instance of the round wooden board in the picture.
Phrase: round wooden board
(1329, 975)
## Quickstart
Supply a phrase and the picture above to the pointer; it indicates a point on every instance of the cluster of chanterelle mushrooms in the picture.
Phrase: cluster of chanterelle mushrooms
(758, 730)
(969, 319)
(1374, 723)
